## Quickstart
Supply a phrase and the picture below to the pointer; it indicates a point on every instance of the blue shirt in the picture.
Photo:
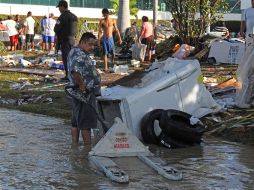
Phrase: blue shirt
(79, 61)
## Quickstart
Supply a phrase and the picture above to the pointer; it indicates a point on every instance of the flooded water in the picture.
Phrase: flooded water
(35, 153)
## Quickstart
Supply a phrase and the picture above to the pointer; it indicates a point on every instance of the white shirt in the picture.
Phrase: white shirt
(248, 17)
(11, 27)
(29, 23)
(49, 27)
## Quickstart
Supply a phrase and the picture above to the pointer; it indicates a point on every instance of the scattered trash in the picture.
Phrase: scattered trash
(121, 69)
(25, 63)
(138, 51)
(135, 63)
(57, 65)
(227, 51)
(183, 52)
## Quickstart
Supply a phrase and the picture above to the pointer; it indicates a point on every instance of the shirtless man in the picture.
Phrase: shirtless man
(107, 26)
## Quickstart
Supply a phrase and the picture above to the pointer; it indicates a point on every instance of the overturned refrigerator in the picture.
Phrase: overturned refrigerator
(170, 84)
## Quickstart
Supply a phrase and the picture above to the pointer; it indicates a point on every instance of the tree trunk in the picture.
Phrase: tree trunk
(155, 12)
(123, 15)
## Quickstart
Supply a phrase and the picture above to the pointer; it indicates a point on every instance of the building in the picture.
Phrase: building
(92, 8)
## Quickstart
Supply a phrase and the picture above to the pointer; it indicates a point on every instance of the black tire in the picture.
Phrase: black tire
(176, 124)
(211, 60)
(169, 142)
(147, 126)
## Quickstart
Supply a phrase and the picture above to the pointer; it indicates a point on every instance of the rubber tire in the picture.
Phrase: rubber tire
(169, 142)
(147, 126)
(211, 60)
(176, 124)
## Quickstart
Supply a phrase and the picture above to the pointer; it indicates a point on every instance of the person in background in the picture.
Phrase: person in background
(43, 28)
(66, 30)
(83, 74)
(147, 36)
(245, 74)
(2, 27)
(29, 31)
(20, 28)
(106, 27)
(12, 32)
(247, 25)
(50, 23)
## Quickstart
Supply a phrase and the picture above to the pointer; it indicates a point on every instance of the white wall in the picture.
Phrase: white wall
(80, 12)
(84, 12)
(245, 4)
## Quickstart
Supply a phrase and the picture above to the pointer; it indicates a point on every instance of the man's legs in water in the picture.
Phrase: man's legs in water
(86, 135)
(74, 135)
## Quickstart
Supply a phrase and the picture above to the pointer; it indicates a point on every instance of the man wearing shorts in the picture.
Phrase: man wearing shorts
(29, 30)
(12, 32)
(107, 26)
(83, 75)
(147, 36)
(49, 32)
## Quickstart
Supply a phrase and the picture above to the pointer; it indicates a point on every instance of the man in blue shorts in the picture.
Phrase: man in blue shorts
(106, 26)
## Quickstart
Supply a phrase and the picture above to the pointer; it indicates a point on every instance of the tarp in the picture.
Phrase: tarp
(227, 51)
(245, 76)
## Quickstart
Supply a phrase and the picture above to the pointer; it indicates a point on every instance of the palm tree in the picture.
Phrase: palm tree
(123, 15)
(155, 12)
(133, 7)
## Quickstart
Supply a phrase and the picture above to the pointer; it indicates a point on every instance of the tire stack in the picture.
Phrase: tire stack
(176, 129)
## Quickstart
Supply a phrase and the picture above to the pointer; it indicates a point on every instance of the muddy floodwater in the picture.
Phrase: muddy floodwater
(35, 153)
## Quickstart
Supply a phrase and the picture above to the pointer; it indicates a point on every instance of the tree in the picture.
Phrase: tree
(192, 17)
(132, 4)
(123, 15)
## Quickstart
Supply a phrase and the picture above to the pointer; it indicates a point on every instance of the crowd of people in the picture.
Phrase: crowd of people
(22, 32)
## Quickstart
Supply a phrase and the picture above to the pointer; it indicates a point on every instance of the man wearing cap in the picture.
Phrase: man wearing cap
(66, 30)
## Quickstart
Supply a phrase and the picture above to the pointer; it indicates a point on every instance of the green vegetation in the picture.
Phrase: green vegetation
(186, 23)
(60, 106)
(133, 7)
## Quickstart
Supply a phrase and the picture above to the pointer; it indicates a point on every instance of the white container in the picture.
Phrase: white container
(121, 69)
(175, 85)
(227, 51)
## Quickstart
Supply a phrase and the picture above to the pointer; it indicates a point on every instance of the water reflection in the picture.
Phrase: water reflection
(35, 153)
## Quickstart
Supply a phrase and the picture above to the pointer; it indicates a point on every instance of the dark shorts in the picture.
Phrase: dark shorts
(149, 42)
(83, 116)
(43, 38)
(29, 38)
(108, 46)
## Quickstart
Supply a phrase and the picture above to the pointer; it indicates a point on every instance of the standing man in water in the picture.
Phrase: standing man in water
(84, 76)
(107, 26)
(66, 30)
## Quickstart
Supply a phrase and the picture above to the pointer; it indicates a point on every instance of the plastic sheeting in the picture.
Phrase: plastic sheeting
(138, 51)
(245, 76)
